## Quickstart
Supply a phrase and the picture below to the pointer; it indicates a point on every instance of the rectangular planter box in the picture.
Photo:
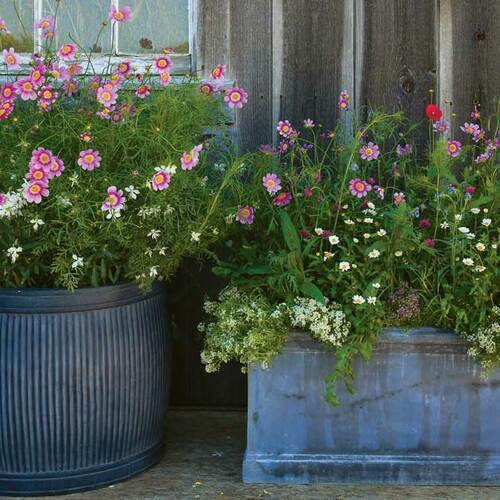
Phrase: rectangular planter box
(421, 415)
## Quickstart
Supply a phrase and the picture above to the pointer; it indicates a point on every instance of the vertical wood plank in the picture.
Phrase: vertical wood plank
(316, 58)
(212, 34)
(250, 45)
(396, 61)
(469, 55)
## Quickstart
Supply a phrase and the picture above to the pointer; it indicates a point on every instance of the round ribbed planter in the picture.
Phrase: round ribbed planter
(83, 386)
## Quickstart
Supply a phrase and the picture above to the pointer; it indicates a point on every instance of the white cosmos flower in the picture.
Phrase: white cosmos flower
(376, 285)
(370, 205)
(318, 231)
(344, 266)
(468, 261)
(153, 271)
(349, 222)
(76, 262)
(470, 236)
(480, 247)
(132, 192)
(13, 253)
(195, 236)
(381, 232)
(486, 222)
(368, 220)
(372, 300)
(475, 210)
(458, 217)
(464, 229)
(358, 299)
(398, 253)
(333, 239)
(149, 252)
(37, 223)
(162, 251)
(480, 269)
(355, 240)
(154, 234)
(374, 254)
(366, 236)
(444, 225)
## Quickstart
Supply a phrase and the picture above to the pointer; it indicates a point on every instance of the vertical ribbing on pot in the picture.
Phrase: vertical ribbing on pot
(81, 389)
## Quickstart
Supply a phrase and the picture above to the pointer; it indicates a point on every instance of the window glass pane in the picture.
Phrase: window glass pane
(21, 28)
(156, 24)
(83, 20)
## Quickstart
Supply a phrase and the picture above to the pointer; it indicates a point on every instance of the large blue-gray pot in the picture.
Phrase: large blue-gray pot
(84, 381)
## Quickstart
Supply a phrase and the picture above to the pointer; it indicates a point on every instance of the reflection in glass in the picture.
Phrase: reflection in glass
(20, 25)
(156, 24)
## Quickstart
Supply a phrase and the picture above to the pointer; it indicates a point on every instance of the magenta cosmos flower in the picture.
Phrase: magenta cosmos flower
(37, 174)
(245, 215)
(359, 188)
(206, 88)
(89, 159)
(25, 89)
(122, 15)
(272, 183)
(160, 180)
(191, 158)
(87, 137)
(46, 23)
(37, 75)
(107, 96)
(5, 110)
(218, 72)
(236, 97)
(283, 199)
(67, 52)
(60, 73)
(162, 63)
(284, 128)
(441, 126)
(143, 91)
(56, 168)
(114, 200)
(124, 68)
(42, 158)
(454, 148)
(11, 59)
(369, 151)
(35, 191)
(470, 128)
(8, 92)
(47, 97)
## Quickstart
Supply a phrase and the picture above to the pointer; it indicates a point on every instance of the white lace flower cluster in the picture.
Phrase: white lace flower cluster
(326, 322)
(11, 205)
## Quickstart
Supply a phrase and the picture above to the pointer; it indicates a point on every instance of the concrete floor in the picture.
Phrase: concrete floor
(203, 460)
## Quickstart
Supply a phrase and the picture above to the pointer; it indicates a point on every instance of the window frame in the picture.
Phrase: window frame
(182, 63)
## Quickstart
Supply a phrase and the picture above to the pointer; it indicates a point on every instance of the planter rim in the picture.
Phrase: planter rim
(61, 300)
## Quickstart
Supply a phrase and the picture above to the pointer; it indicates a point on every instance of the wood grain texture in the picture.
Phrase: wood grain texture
(469, 55)
(250, 55)
(315, 60)
(396, 60)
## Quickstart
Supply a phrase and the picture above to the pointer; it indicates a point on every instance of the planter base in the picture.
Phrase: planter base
(421, 414)
(81, 480)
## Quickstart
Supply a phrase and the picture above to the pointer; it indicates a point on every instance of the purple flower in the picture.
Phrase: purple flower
(441, 126)
(404, 150)
(454, 148)
(470, 128)
(283, 199)
(359, 188)
(272, 183)
(369, 151)
(245, 215)
(114, 200)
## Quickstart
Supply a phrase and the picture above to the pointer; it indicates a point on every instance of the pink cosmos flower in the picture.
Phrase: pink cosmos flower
(454, 148)
(58, 72)
(107, 96)
(122, 15)
(191, 158)
(470, 190)
(37, 75)
(441, 126)
(405, 150)
(8, 92)
(162, 63)
(236, 97)
(272, 183)
(308, 192)
(117, 80)
(380, 191)
(218, 72)
(165, 79)
(47, 94)
(483, 157)
(284, 128)
(284, 146)
(282, 199)
(37, 173)
(398, 198)
(206, 88)
(46, 23)
(3, 27)
(70, 87)
(35, 191)
(429, 242)
(124, 68)
(143, 91)
(369, 151)
(160, 180)
(89, 159)
(245, 215)
(56, 168)
(116, 117)
(11, 59)
(67, 52)
(25, 89)
(344, 103)
(114, 200)
(425, 224)
(309, 123)
(469, 128)
(94, 84)
(478, 135)
(475, 115)
(105, 113)
(87, 137)
(42, 158)
(359, 188)
(5, 110)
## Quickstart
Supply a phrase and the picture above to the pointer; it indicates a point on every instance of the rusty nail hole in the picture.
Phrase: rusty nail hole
(479, 36)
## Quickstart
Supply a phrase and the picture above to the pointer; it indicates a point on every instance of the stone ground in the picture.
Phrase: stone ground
(203, 460)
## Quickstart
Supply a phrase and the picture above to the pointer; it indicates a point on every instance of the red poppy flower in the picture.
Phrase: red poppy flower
(433, 112)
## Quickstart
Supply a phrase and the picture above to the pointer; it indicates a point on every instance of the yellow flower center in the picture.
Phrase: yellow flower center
(35, 189)
(360, 186)
(27, 86)
(368, 151)
(44, 24)
(245, 212)
(44, 158)
(188, 158)
(7, 92)
(453, 148)
(47, 94)
(119, 15)
(235, 96)
(11, 59)
(159, 179)
(106, 96)
(38, 175)
(112, 199)
(88, 158)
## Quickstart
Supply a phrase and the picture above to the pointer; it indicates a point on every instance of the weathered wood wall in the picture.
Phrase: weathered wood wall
(295, 56)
